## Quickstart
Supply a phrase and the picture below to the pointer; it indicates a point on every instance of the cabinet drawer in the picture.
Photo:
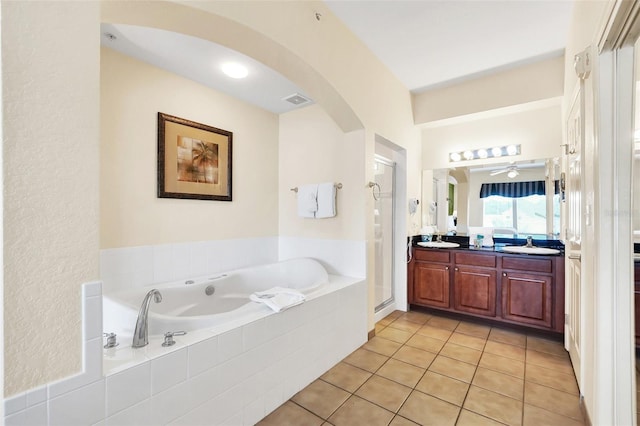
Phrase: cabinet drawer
(433, 256)
(526, 264)
(473, 259)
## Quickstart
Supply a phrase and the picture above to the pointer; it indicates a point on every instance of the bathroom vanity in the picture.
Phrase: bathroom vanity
(519, 289)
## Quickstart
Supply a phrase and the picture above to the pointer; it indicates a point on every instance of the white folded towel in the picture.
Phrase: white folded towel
(326, 200)
(278, 298)
(307, 200)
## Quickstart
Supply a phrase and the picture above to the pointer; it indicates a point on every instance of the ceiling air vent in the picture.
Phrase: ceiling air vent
(297, 99)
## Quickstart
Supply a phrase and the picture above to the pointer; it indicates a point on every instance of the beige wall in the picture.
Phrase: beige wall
(50, 77)
(313, 149)
(532, 82)
(539, 131)
(132, 93)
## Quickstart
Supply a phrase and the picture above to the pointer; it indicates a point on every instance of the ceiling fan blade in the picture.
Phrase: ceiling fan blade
(497, 172)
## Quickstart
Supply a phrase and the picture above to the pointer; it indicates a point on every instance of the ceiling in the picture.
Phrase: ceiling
(425, 43)
(201, 60)
(431, 43)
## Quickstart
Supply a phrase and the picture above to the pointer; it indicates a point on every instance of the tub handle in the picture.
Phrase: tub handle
(168, 337)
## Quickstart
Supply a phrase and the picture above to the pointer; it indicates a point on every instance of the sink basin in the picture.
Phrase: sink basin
(529, 250)
(436, 244)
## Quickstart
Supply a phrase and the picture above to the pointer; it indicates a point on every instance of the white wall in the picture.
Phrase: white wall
(50, 73)
(132, 93)
(313, 149)
(532, 82)
(539, 131)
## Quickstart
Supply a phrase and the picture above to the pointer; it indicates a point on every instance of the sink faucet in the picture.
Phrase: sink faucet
(141, 334)
(529, 241)
(439, 239)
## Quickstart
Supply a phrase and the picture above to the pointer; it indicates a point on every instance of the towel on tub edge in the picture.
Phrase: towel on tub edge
(278, 298)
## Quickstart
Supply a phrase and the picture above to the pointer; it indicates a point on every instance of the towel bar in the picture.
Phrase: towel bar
(337, 185)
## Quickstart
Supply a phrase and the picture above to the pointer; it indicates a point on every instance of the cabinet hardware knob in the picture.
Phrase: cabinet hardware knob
(446, 268)
(504, 274)
(457, 269)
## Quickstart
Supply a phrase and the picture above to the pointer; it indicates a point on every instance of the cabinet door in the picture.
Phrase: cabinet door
(474, 290)
(526, 298)
(431, 284)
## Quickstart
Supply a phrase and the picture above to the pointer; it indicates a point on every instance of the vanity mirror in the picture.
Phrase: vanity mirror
(511, 197)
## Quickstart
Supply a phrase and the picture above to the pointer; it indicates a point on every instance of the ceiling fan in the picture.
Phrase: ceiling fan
(511, 171)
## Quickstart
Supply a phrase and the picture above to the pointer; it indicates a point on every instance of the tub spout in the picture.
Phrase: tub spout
(141, 333)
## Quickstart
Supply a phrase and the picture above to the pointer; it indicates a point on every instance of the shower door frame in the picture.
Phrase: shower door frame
(392, 262)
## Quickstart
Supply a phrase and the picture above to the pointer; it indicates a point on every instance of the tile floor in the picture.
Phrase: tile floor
(430, 370)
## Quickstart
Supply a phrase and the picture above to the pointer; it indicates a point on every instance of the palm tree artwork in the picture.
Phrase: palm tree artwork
(197, 161)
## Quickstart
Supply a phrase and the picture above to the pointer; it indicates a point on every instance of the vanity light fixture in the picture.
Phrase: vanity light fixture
(234, 70)
(482, 153)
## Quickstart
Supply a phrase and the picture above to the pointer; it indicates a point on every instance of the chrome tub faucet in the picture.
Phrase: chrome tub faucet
(141, 333)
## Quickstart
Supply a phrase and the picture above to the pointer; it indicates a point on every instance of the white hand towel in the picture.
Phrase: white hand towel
(278, 298)
(326, 200)
(307, 200)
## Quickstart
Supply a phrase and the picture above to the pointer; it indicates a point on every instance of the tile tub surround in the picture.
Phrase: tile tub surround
(123, 268)
(235, 377)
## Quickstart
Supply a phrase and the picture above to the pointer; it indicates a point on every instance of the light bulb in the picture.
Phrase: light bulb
(512, 150)
(482, 153)
(468, 155)
(234, 70)
(497, 152)
(455, 156)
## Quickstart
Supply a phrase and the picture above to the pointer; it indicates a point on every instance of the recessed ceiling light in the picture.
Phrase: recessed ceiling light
(235, 70)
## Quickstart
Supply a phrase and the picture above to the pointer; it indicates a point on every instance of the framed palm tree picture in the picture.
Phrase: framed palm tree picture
(194, 160)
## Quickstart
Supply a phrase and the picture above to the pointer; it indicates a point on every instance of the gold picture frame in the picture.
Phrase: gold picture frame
(194, 160)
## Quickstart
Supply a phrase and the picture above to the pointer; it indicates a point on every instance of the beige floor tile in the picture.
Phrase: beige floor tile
(505, 350)
(468, 341)
(321, 398)
(385, 321)
(534, 416)
(540, 344)
(444, 323)
(561, 364)
(415, 356)
(401, 372)
(358, 412)
(453, 368)
(379, 327)
(499, 363)
(500, 383)
(495, 406)
(384, 392)
(290, 414)
(417, 317)
(469, 418)
(427, 410)
(406, 325)
(401, 421)
(443, 387)
(395, 334)
(366, 360)
(435, 333)
(346, 376)
(425, 343)
(461, 353)
(382, 346)
(509, 337)
(553, 400)
(551, 378)
(475, 330)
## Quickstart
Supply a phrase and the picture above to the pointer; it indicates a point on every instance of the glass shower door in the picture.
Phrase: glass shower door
(383, 193)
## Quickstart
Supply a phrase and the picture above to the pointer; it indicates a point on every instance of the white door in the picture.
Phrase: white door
(573, 230)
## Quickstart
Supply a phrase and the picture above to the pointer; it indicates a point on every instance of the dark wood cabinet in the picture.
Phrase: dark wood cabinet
(431, 286)
(475, 283)
(527, 298)
(431, 278)
(516, 289)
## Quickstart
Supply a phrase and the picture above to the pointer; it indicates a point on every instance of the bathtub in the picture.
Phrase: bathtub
(186, 306)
